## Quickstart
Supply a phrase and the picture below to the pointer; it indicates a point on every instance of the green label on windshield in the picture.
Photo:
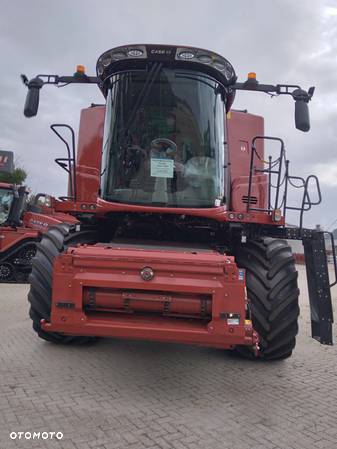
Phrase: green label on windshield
(162, 168)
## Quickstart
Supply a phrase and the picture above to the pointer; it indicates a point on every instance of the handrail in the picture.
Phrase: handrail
(271, 164)
(306, 195)
(71, 157)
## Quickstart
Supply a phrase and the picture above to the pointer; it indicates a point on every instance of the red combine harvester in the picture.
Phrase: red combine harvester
(182, 229)
(21, 226)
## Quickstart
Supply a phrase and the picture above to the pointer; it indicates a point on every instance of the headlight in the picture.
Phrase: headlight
(106, 60)
(185, 55)
(208, 58)
(100, 69)
(205, 59)
(135, 52)
(229, 73)
(118, 55)
(219, 65)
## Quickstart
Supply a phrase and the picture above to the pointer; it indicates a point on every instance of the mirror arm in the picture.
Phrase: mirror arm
(254, 86)
(279, 89)
(56, 79)
(78, 78)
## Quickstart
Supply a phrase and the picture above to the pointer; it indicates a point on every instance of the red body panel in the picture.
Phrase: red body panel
(184, 284)
(242, 128)
(42, 222)
(89, 153)
(10, 236)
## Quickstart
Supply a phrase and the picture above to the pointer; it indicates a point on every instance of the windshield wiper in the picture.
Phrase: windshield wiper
(151, 77)
(198, 77)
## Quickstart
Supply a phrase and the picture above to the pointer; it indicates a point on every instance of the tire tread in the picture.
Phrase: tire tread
(53, 242)
(271, 280)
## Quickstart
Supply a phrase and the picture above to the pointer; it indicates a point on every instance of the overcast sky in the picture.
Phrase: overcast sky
(283, 41)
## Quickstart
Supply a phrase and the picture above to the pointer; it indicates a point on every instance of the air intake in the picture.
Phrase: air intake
(253, 199)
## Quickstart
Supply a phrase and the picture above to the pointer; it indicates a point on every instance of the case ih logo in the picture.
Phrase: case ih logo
(6, 161)
(160, 51)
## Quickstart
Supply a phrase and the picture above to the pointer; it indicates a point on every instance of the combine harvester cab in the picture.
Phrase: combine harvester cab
(182, 214)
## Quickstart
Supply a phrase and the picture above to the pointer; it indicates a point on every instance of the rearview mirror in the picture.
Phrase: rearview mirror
(33, 96)
(302, 119)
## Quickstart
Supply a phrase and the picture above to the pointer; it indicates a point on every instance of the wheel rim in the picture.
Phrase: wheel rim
(6, 272)
(28, 255)
(25, 257)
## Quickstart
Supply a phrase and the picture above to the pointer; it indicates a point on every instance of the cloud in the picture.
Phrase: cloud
(327, 173)
(330, 11)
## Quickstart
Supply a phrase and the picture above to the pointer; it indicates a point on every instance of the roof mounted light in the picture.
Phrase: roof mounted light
(118, 55)
(169, 54)
(205, 59)
(229, 73)
(100, 69)
(80, 69)
(186, 55)
(106, 61)
(251, 76)
(208, 58)
(135, 52)
(219, 65)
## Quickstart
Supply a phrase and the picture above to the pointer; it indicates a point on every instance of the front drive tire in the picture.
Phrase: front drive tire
(271, 280)
(53, 242)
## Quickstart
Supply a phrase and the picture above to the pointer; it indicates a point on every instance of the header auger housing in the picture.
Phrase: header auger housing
(181, 213)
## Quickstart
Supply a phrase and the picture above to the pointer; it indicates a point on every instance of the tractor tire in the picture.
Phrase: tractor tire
(53, 243)
(271, 281)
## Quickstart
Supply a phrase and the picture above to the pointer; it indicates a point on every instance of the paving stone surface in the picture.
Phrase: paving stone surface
(139, 395)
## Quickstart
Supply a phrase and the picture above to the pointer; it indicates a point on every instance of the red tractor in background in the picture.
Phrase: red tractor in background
(21, 226)
(182, 216)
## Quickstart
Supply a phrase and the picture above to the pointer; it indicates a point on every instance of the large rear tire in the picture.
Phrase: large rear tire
(271, 280)
(53, 242)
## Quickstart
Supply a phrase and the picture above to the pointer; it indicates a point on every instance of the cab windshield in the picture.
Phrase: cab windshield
(6, 198)
(164, 139)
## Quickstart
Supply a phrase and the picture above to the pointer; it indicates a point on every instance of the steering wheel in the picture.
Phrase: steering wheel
(166, 144)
